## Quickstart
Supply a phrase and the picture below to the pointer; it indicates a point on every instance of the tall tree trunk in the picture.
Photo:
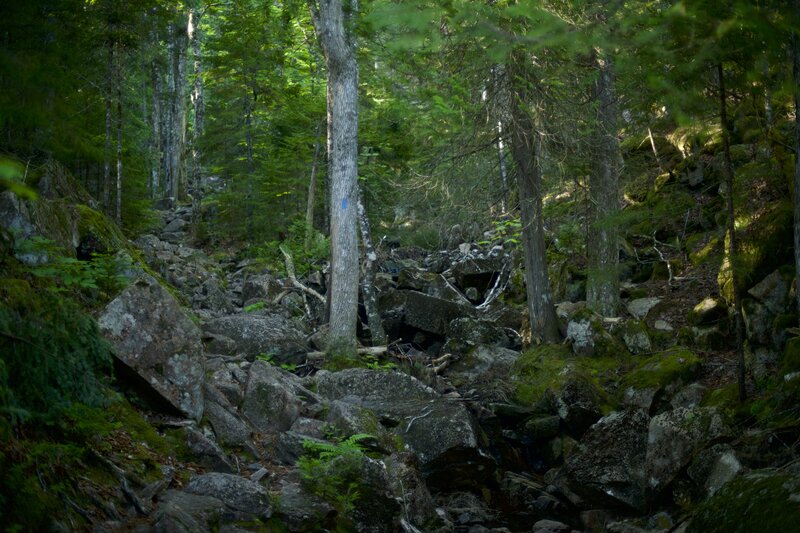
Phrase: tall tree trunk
(377, 333)
(199, 105)
(156, 143)
(249, 207)
(796, 72)
(176, 135)
(543, 320)
(333, 24)
(602, 285)
(312, 186)
(501, 156)
(118, 197)
(732, 244)
(106, 200)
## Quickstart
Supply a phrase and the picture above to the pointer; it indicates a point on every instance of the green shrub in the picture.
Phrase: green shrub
(333, 471)
(51, 351)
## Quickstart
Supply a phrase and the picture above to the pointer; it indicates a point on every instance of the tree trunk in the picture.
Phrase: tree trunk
(249, 207)
(118, 197)
(377, 333)
(602, 285)
(732, 245)
(501, 156)
(199, 105)
(796, 72)
(176, 135)
(106, 200)
(156, 143)
(312, 187)
(333, 25)
(543, 320)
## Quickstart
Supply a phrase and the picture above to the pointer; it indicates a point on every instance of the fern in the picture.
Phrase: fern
(333, 470)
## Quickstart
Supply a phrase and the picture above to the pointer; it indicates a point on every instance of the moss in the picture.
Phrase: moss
(765, 243)
(761, 501)
(542, 371)
(704, 248)
(726, 397)
(97, 231)
(665, 368)
(790, 362)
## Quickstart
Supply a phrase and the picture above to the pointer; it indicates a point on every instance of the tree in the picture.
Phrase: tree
(524, 142)
(602, 284)
(333, 23)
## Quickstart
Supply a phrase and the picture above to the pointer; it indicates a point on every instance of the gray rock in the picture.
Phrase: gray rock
(475, 331)
(152, 335)
(228, 426)
(180, 512)
(578, 405)
(300, 510)
(430, 313)
(255, 334)
(237, 493)
(176, 225)
(289, 447)
(210, 295)
(674, 437)
(773, 292)
(274, 398)
(608, 466)
(438, 430)
(481, 366)
(714, 467)
(208, 453)
(709, 311)
(757, 321)
(640, 307)
(635, 336)
(550, 526)
(690, 396)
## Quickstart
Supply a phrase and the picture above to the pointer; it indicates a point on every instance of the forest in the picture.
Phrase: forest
(400, 265)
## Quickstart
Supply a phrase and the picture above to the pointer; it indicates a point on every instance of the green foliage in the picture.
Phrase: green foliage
(304, 259)
(333, 471)
(52, 352)
(10, 173)
(258, 306)
(104, 272)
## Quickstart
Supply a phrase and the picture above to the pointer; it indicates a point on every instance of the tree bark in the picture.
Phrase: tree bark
(118, 83)
(602, 285)
(796, 73)
(156, 143)
(176, 136)
(732, 244)
(249, 207)
(312, 187)
(199, 105)
(543, 320)
(501, 156)
(377, 333)
(333, 25)
(106, 201)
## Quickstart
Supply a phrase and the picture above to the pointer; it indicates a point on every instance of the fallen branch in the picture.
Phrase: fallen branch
(371, 350)
(295, 282)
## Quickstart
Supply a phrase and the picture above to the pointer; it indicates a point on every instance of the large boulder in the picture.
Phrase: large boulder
(240, 495)
(153, 337)
(608, 466)
(268, 333)
(675, 437)
(439, 430)
(481, 366)
(180, 512)
(274, 399)
(430, 313)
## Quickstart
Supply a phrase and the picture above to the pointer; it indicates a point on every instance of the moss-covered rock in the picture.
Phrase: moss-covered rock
(540, 375)
(764, 500)
(635, 335)
(669, 370)
(589, 337)
(765, 243)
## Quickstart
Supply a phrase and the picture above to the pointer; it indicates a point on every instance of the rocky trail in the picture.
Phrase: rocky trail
(429, 435)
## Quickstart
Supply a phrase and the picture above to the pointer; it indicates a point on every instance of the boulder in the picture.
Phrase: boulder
(207, 452)
(635, 336)
(477, 272)
(210, 295)
(608, 466)
(588, 336)
(714, 467)
(674, 437)
(300, 510)
(578, 404)
(180, 512)
(240, 495)
(640, 307)
(255, 334)
(274, 399)
(440, 431)
(773, 291)
(430, 313)
(481, 365)
(707, 312)
(228, 426)
(758, 321)
(153, 337)
(475, 331)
